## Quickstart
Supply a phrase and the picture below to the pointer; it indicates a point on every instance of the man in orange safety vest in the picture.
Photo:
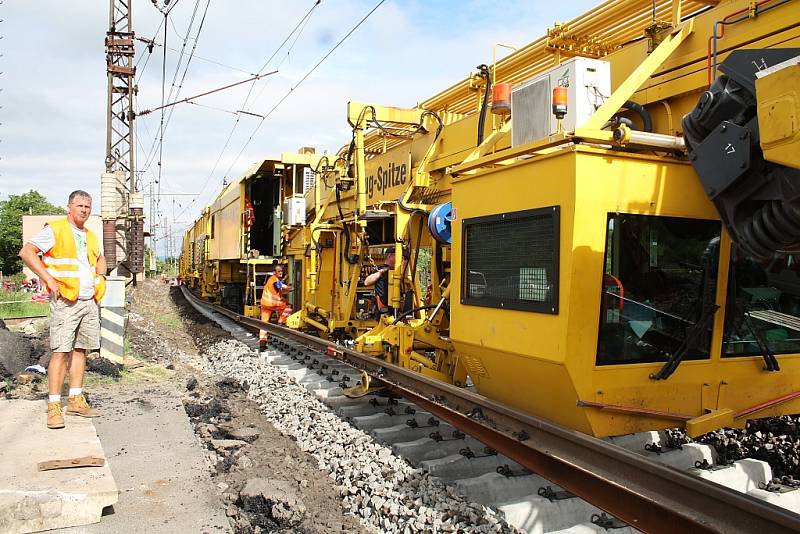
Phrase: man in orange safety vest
(273, 301)
(73, 269)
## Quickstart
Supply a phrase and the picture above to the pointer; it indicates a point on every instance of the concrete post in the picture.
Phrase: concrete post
(112, 320)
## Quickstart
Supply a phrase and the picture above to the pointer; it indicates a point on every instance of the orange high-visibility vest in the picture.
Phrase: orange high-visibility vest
(269, 297)
(62, 261)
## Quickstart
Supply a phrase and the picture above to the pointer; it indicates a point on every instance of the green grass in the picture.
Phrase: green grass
(96, 379)
(11, 310)
(154, 372)
(169, 319)
(136, 375)
(9, 382)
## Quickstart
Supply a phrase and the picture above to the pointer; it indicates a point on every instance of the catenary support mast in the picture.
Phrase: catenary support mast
(122, 207)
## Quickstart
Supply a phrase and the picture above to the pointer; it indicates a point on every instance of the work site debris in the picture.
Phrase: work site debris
(24, 378)
(15, 353)
(191, 383)
(384, 491)
(247, 434)
(103, 366)
(271, 503)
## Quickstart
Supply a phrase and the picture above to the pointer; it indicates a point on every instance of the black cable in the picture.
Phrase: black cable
(416, 249)
(250, 90)
(413, 310)
(439, 129)
(161, 126)
(327, 164)
(352, 259)
(178, 66)
(305, 77)
(647, 120)
(484, 72)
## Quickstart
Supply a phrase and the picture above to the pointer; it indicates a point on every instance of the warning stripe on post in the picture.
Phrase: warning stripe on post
(112, 332)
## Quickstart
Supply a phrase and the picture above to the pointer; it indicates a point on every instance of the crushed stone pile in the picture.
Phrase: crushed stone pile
(384, 491)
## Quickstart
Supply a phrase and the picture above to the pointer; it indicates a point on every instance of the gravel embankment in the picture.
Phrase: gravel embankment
(384, 491)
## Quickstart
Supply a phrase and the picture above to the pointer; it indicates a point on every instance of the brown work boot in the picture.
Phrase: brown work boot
(55, 417)
(77, 405)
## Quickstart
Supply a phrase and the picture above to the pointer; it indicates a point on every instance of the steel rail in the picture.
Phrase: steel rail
(648, 496)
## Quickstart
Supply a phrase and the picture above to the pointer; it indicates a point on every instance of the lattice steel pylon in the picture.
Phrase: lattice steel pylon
(121, 90)
(122, 206)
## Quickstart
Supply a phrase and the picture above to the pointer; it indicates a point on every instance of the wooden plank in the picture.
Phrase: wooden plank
(70, 463)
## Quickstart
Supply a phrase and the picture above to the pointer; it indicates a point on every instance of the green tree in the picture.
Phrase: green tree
(11, 212)
(168, 266)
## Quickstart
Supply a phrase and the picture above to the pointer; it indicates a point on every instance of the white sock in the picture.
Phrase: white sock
(75, 391)
(54, 398)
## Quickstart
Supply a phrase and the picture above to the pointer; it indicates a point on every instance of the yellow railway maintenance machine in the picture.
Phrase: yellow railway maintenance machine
(612, 249)
(229, 251)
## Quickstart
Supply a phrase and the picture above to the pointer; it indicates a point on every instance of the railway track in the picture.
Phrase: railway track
(544, 478)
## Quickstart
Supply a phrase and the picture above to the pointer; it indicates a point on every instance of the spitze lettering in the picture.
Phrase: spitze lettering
(393, 175)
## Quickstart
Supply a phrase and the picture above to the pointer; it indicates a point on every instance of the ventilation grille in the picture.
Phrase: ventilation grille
(530, 108)
(511, 260)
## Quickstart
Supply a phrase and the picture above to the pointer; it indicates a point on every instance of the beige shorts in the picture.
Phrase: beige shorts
(74, 325)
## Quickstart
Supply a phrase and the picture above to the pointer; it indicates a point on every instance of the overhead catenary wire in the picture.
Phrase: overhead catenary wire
(149, 52)
(156, 199)
(185, 40)
(148, 160)
(288, 52)
(194, 97)
(297, 27)
(285, 57)
(156, 202)
(303, 79)
(300, 24)
(196, 56)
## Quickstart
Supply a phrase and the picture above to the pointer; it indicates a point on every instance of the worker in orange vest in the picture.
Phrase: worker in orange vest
(73, 269)
(273, 301)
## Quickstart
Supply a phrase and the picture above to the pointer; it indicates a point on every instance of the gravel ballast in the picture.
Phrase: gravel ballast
(384, 491)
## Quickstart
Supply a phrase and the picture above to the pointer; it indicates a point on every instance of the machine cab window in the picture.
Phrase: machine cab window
(658, 289)
(762, 314)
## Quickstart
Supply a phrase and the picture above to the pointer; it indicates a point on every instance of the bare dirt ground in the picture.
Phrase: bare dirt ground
(168, 338)
(165, 330)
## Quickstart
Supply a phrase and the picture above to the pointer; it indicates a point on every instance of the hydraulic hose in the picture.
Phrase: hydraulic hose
(352, 259)
(486, 75)
(413, 311)
(647, 120)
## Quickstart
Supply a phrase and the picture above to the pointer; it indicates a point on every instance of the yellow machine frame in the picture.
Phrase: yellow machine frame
(403, 162)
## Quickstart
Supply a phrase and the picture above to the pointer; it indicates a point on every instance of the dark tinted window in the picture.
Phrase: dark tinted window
(511, 260)
(763, 307)
(658, 288)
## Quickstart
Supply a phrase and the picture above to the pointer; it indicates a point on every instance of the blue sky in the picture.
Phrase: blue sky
(53, 82)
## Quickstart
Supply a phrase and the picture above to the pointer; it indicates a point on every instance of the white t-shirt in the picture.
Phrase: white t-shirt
(46, 239)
